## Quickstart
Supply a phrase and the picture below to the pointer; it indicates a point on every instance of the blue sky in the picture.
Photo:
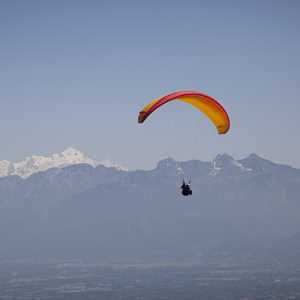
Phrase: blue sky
(76, 73)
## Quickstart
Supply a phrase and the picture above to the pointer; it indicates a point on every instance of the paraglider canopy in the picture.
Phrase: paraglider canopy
(206, 104)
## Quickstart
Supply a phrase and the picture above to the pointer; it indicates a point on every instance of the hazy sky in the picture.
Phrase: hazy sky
(76, 73)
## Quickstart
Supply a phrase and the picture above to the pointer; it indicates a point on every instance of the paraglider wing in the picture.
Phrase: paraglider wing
(206, 104)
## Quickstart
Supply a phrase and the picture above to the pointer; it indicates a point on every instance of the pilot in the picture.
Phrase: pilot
(186, 189)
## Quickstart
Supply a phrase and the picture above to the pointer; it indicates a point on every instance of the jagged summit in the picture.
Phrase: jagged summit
(225, 162)
(37, 163)
(167, 163)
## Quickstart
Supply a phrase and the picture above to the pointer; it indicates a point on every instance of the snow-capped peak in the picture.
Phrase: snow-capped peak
(37, 163)
(222, 161)
(111, 164)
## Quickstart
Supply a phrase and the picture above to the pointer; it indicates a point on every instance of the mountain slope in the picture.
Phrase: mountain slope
(94, 210)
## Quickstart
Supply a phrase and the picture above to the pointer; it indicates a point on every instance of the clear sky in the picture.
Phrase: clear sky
(76, 73)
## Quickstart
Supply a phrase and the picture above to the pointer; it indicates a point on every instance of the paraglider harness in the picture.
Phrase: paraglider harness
(186, 189)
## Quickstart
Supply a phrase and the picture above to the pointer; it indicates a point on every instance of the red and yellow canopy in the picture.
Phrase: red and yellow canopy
(206, 104)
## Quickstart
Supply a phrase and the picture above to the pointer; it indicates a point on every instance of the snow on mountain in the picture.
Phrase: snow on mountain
(34, 164)
(5, 167)
(111, 164)
(222, 161)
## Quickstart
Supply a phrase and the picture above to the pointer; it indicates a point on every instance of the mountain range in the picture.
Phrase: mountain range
(38, 163)
(69, 205)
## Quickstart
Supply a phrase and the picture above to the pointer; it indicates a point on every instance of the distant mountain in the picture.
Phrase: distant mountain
(34, 164)
(87, 209)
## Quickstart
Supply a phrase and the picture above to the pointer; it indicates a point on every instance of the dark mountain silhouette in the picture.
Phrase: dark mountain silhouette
(85, 211)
